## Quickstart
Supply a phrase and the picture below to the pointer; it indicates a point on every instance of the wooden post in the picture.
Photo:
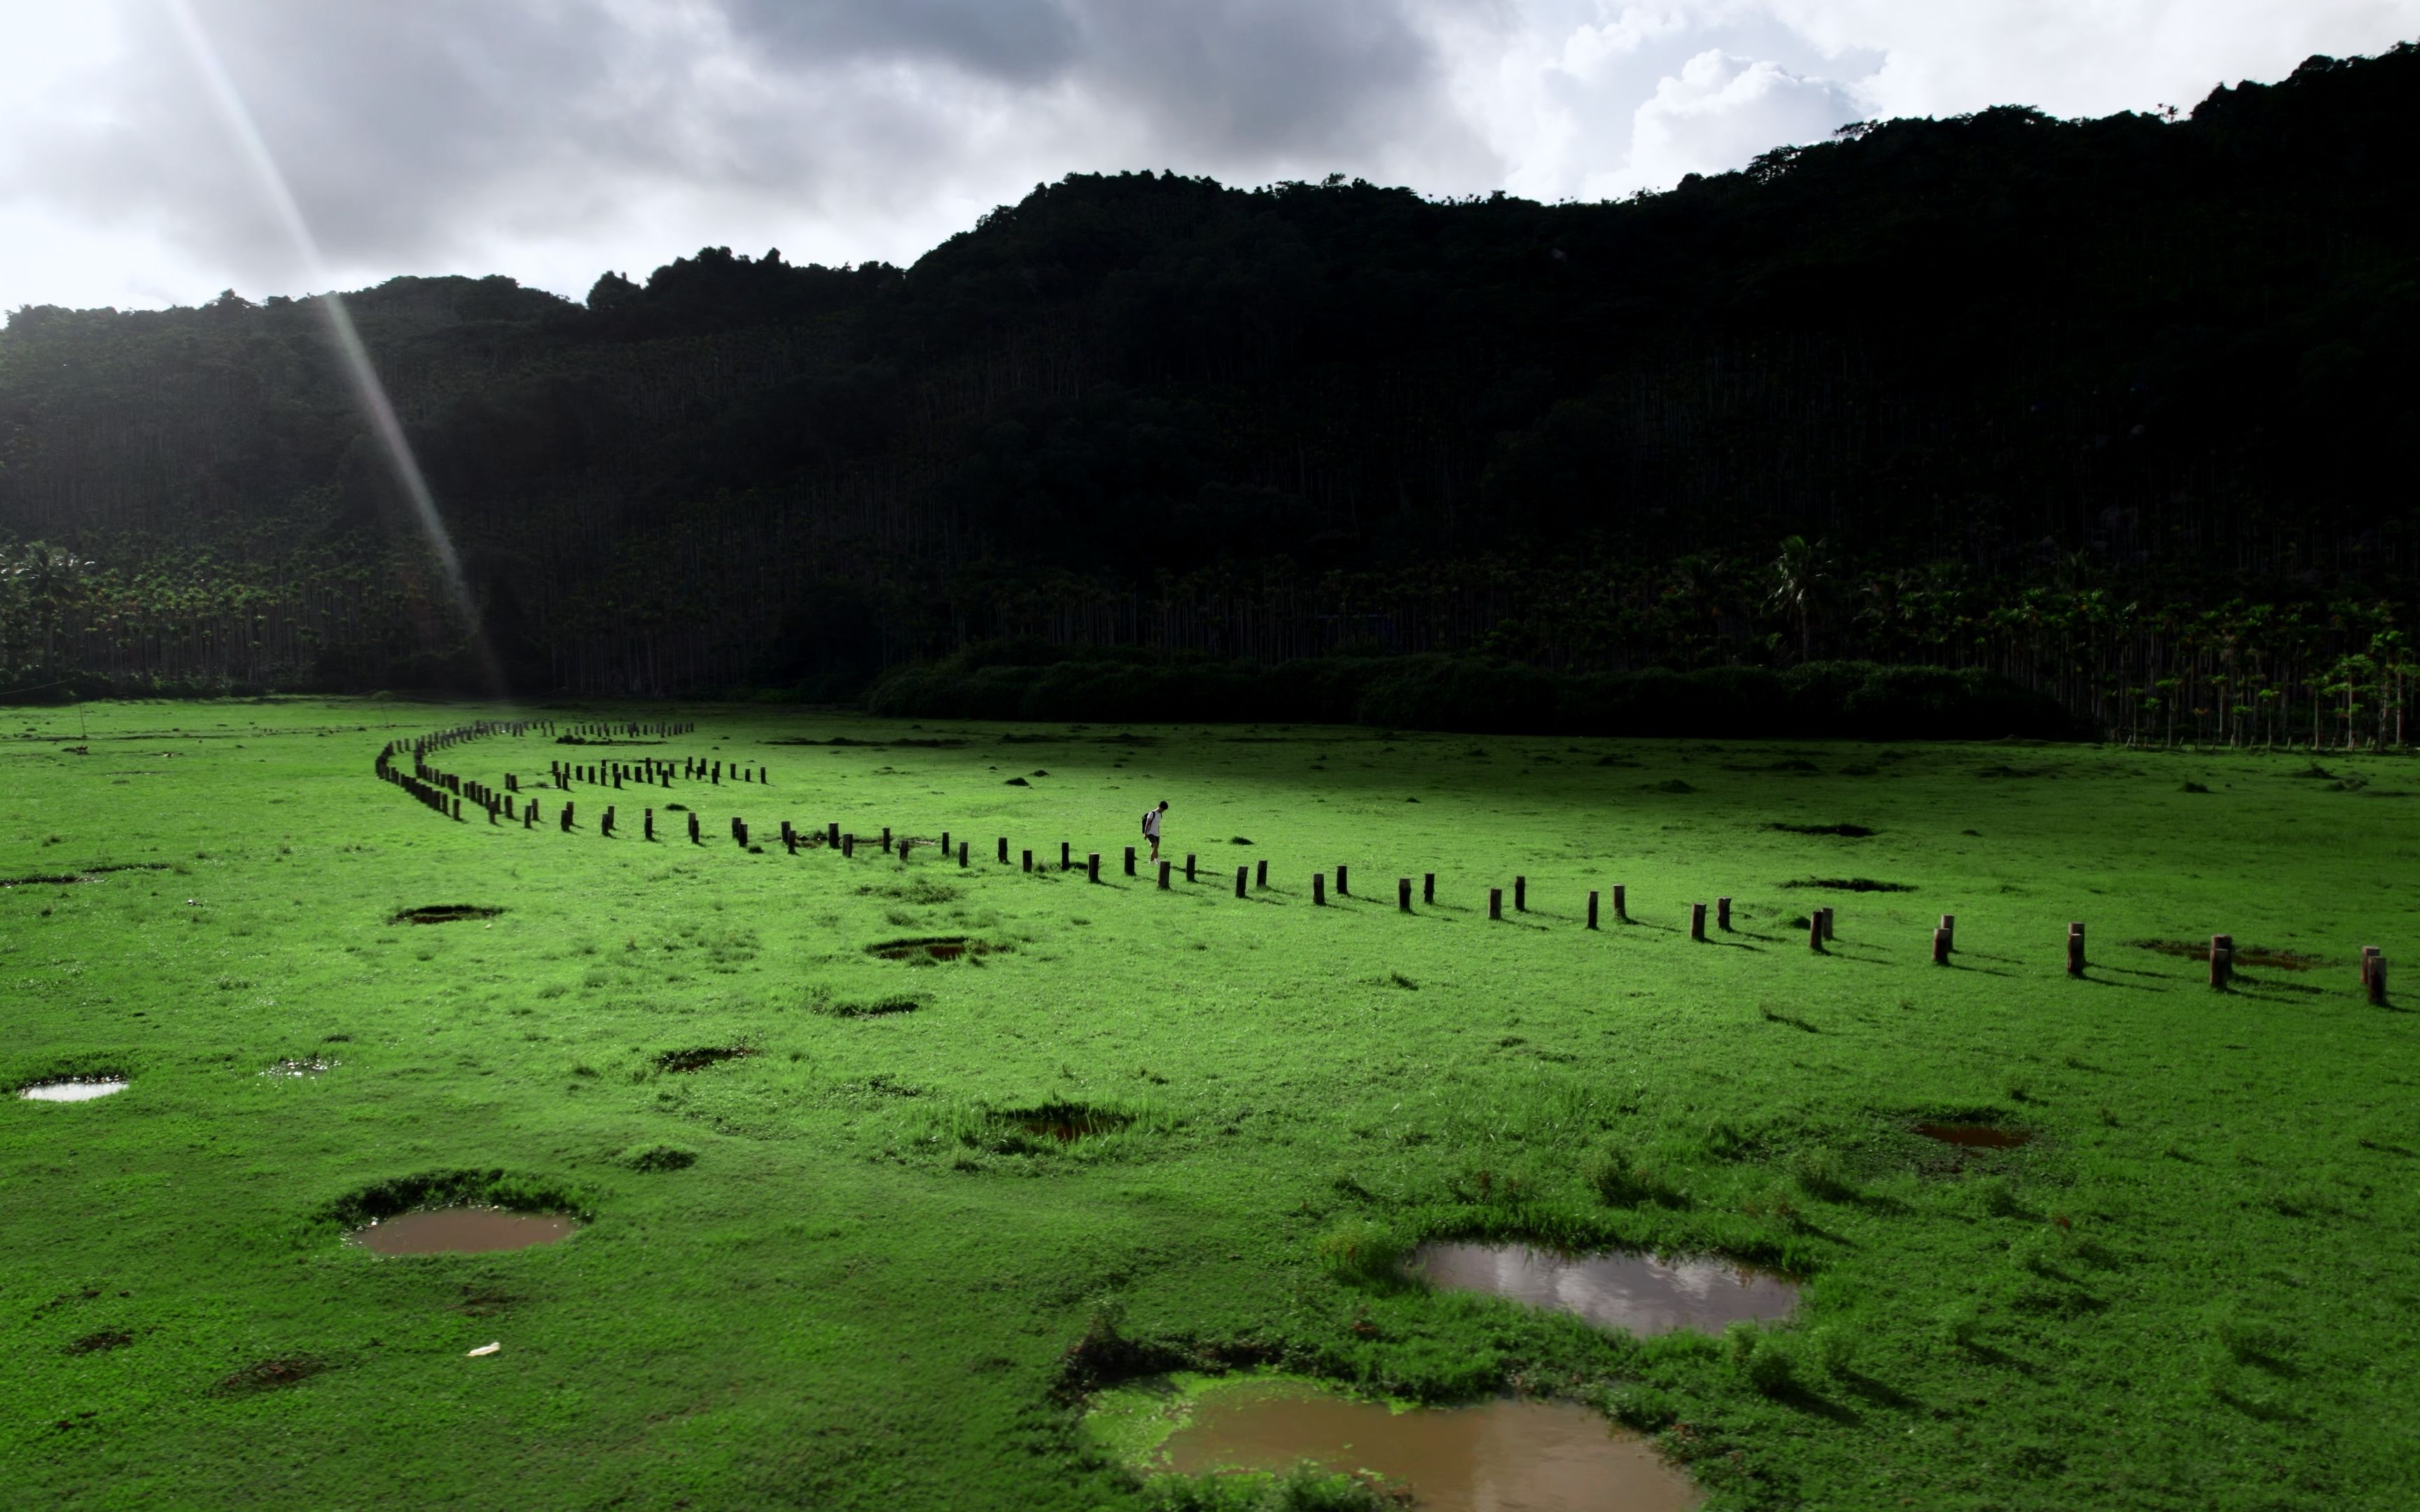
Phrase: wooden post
(1941, 948)
(2378, 981)
(529, 816)
(739, 832)
(1815, 932)
(1403, 894)
(945, 842)
(2222, 960)
(1130, 861)
(1341, 889)
(962, 856)
(1004, 850)
(1520, 895)
(832, 833)
(1261, 874)
(1592, 923)
(605, 827)
(1243, 879)
(1428, 887)
(2076, 948)
(1064, 864)
(1622, 902)
(1188, 866)
(905, 846)
(1723, 914)
(847, 844)
(886, 840)
(1824, 914)
(789, 840)
(567, 816)
(1092, 867)
(1696, 922)
(1029, 860)
(2369, 959)
(1164, 868)
(1495, 903)
(695, 831)
(1949, 932)
(1319, 889)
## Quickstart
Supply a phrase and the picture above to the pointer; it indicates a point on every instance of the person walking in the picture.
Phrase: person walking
(1151, 826)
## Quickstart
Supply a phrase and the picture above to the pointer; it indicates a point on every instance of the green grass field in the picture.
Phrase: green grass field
(2194, 1288)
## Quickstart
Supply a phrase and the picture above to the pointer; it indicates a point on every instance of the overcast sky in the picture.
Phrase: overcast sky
(552, 140)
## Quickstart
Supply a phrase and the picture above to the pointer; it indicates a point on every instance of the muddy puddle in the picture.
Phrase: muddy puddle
(1637, 1293)
(442, 913)
(1974, 1135)
(703, 1056)
(461, 1231)
(1496, 1457)
(74, 1089)
(931, 948)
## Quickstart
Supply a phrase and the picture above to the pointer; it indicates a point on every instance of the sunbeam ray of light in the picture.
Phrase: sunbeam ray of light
(236, 116)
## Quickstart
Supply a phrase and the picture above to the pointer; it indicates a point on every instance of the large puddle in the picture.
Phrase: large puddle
(1497, 1457)
(442, 913)
(461, 1231)
(1641, 1294)
(75, 1089)
(1974, 1135)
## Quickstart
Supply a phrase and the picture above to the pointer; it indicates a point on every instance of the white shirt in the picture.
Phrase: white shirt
(1151, 824)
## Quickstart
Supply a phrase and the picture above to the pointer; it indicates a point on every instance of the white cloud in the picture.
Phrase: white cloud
(554, 139)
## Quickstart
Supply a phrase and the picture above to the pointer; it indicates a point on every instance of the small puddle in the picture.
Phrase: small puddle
(1639, 1293)
(74, 1089)
(442, 913)
(461, 1231)
(1502, 1456)
(1067, 1121)
(1974, 1135)
(933, 947)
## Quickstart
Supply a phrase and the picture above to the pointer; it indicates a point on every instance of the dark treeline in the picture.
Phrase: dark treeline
(2119, 410)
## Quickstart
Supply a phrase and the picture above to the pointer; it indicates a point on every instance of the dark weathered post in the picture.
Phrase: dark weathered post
(1403, 894)
(962, 856)
(1723, 914)
(1949, 931)
(1696, 922)
(945, 842)
(788, 837)
(2076, 948)
(2222, 960)
(1243, 879)
(1029, 860)
(1261, 873)
(1065, 863)
(1130, 861)
(1092, 866)
(1824, 915)
(1815, 932)
(1495, 903)
(847, 845)
(1165, 867)
(2377, 978)
(1319, 889)
(832, 833)
(1344, 888)
(886, 840)
(1004, 850)
(529, 816)
(739, 832)
(1428, 887)
(1592, 923)
(1188, 866)
(1520, 895)
(1622, 902)
(1940, 947)
(567, 816)
(2368, 962)
(905, 846)
(605, 827)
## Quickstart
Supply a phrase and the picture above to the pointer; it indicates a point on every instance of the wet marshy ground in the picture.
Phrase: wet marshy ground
(74, 1089)
(461, 1231)
(703, 1056)
(442, 913)
(306, 1066)
(1494, 1457)
(1637, 1293)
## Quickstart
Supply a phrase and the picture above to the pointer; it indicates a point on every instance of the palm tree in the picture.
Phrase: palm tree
(1801, 575)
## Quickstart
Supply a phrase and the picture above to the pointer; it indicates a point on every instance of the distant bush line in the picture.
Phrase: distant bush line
(1852, 700)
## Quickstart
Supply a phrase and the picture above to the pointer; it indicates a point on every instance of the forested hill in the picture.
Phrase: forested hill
(2096, 403)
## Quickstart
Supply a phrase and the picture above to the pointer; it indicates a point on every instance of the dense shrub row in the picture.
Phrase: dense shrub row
(1854, 699)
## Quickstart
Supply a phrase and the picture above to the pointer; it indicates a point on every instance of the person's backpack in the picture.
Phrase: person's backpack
(1146, 820)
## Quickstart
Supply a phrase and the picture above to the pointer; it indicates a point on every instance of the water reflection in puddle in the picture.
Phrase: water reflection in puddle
(1641, 1293)
(79, 1090)
(1497, 1457)
(461, 1231)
